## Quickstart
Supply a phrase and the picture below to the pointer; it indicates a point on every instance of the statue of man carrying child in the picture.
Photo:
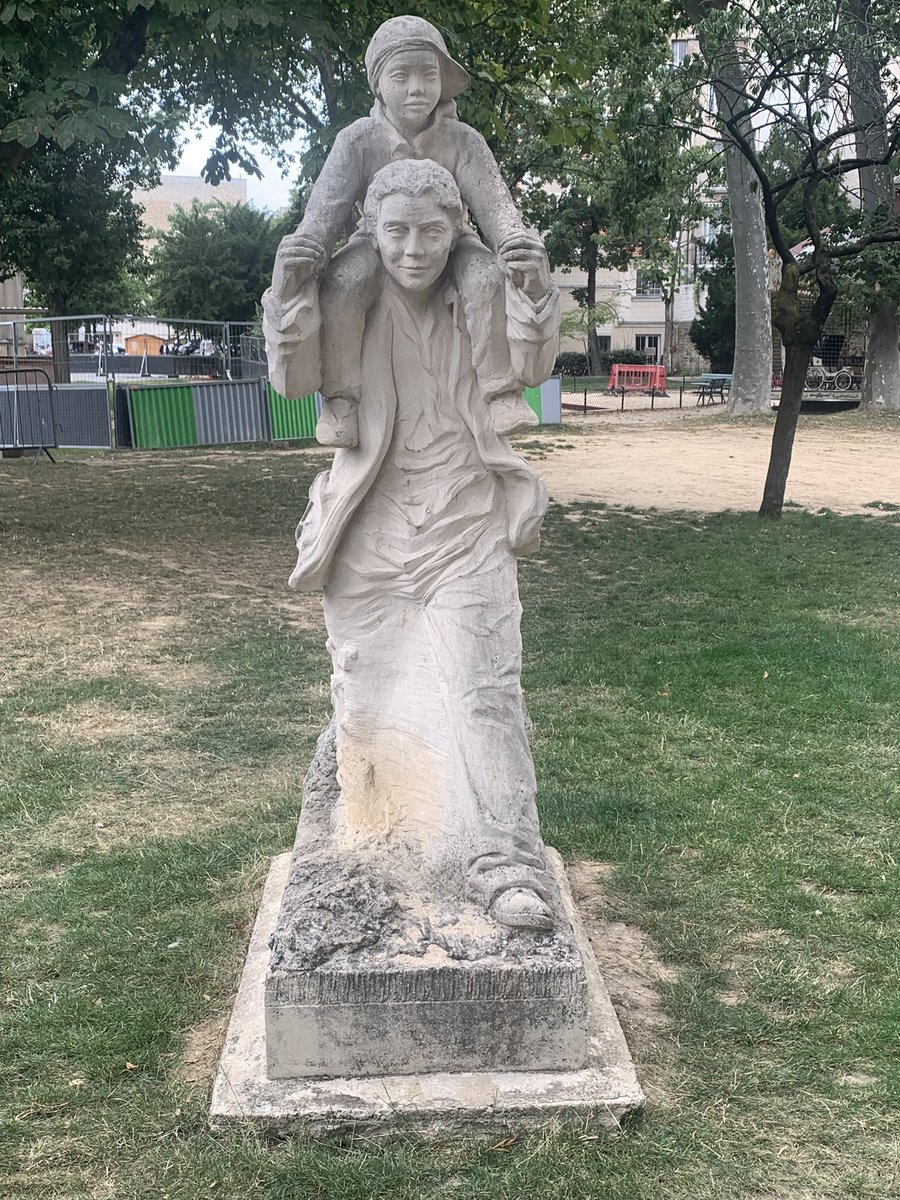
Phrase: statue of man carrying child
(420, 338)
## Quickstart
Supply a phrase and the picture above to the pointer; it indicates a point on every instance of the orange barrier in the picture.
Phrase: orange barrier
(633, 378)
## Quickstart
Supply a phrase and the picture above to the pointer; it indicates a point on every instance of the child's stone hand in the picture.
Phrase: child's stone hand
(299, 259)
(526, 262)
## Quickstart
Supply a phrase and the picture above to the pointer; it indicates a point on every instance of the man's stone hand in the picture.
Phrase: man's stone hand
(299, 259)
(526, 262)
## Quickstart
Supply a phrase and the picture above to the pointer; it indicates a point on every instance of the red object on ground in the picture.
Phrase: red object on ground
(634, 378)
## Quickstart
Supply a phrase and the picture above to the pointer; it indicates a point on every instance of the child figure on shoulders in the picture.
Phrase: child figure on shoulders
(414, 81)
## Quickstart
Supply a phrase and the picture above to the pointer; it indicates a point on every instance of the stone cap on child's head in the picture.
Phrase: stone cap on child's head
(414, 33)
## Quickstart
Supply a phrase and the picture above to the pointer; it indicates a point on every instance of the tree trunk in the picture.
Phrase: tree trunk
(751, 385)
(881, 382)
(801, 327)
(799, 356)
(59, 344)
(593, 341)
(668, 331)
(593, 351)
(329, 87)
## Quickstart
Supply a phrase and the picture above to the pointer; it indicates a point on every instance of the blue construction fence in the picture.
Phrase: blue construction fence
(160, 414)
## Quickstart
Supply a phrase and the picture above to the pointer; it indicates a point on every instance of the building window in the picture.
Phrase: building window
(647, 343)
(604, 343)
(647, 285)
(679, 51)
(705, 237)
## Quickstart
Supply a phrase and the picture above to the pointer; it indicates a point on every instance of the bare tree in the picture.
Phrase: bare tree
(799, 78)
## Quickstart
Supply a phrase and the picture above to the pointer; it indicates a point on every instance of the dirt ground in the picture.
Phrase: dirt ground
(701, 462)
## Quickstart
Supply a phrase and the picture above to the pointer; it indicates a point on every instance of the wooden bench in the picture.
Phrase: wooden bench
(713, 389)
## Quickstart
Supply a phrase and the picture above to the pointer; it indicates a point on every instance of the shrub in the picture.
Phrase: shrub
(637, 359)
(571, 362)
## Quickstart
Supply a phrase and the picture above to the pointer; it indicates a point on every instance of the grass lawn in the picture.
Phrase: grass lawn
(716, 707)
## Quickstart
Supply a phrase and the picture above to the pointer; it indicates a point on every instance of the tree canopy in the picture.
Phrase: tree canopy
(133, 72)
(712, 330)
(800, 89)
(120, 79)
(70, 226)
(214, 262)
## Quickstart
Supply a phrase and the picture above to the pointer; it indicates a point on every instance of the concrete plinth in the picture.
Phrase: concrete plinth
(597, 1094)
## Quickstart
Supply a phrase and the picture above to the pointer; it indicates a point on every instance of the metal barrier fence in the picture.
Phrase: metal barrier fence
(150, 384)
(159, 415)
(91, 347)
(27, 419)
(632, 377)
(592, 394)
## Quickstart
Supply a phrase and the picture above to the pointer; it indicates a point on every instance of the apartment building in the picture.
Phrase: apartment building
(180, 191)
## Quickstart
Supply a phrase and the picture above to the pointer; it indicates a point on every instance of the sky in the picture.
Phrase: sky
(271, 192)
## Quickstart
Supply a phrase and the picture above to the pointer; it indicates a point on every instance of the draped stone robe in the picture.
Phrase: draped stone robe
(413, 536)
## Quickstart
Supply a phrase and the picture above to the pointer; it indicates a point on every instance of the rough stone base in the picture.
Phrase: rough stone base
(597, 1095)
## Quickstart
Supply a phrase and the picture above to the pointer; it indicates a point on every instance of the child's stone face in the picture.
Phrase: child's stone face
(410, 87)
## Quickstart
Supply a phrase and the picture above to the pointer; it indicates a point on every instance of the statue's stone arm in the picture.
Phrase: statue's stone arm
(341, 183)
(293, 341)
(485, 192)
(532, 327)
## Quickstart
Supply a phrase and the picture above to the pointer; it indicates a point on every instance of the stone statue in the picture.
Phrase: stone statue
(423, 960)
(419, 883)
(414, 81)
(413, 535)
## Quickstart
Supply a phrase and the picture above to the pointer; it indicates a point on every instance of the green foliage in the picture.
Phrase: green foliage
(817, 77)
(635, 357)
(532, 65)
(104, 71)
(214, 262)
(571, 362)
(69, 225)
(713, 330)
(806, 98)
(874, 276)
(580, 321)
(638, 189)
(782, 158)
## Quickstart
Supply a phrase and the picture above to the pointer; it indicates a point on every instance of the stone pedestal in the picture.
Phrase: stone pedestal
(424, 1100)
(381, 965)
(516, 1002)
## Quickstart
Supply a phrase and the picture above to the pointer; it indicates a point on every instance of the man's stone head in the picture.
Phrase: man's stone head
(410, 70)
(414, 214)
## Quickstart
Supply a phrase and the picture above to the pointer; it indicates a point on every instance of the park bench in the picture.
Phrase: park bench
(712, 388)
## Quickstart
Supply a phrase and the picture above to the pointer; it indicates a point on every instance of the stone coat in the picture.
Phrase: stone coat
(292, 342)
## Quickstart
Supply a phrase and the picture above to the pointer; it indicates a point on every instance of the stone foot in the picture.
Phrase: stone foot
(521, 908)
(510, 414)
(339, 423)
